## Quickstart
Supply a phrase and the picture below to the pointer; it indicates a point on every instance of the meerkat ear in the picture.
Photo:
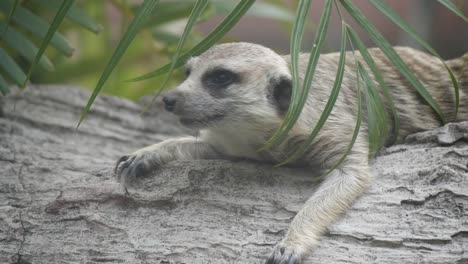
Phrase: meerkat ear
(281, 89)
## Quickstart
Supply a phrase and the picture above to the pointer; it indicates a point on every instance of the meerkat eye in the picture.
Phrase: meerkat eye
(187, 72)
(220, 78)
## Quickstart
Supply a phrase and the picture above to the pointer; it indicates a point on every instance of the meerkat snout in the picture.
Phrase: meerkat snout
(172, 100)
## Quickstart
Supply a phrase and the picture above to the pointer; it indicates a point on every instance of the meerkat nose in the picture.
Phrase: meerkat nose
(169, 102)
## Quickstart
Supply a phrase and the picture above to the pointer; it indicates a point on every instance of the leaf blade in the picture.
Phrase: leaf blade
(259, 9)
(200, 5)
(297, 34)
(229, 22)
(11, 68)
(452, 7)
(330, 103)
(356, 128)
(197, 10)
(10, 14)
(391, 54)
(379, 78)
(59, 16)
(23, 46)
(297, 105)
(171, 11)
(376, 114)
(396, 19)
(145, 9)
(37, 26)
(75, 14)
(4, 89)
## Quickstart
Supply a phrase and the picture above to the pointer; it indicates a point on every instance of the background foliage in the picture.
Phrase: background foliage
(91, 32)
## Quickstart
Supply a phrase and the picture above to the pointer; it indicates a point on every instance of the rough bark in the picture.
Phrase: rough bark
(59, 202)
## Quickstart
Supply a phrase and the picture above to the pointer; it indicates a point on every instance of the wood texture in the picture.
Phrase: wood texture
(59, 202)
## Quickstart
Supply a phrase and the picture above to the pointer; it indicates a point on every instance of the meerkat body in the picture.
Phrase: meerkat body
(237, 94)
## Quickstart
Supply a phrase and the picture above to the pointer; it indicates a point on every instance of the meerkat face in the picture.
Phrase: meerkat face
(230, 85)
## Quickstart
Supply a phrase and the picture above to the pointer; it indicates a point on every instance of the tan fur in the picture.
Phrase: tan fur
(249, 118)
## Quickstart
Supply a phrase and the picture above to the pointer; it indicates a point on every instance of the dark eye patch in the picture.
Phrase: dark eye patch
(219, 78)
(187, 72)
(280, 90)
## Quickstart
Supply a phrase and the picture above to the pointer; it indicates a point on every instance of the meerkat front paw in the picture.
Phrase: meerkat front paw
(138, 164)
(285, 254)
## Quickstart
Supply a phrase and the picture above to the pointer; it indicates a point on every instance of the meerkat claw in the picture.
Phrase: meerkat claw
(283, 255)
(125, 167)
(119, 161)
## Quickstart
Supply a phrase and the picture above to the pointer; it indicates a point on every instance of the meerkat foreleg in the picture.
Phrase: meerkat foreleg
(335, 195)
(149, 158)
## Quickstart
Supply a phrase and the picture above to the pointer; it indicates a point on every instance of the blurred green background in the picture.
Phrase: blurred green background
(152, 47)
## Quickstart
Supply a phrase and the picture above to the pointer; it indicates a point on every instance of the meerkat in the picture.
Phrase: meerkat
(237, 95)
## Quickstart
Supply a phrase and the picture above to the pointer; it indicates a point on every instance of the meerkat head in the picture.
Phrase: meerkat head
(230, 85)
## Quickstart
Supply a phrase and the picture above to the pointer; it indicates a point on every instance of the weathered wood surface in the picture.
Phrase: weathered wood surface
(59, 202)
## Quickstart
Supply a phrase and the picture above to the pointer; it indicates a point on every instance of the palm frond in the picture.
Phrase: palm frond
(330, 103)
(376, 113)
(10, 15)
(356, 41)
(174, 10)
(59, 16)
(452, 7)
(36, 25)
(224, 27)
(382, 6)
(23, 46)
(297, 103)
(75, 14)
(11, 68)
(4, 89)
(356, 128)
(198, 8)
(143, 12)
(391, 54)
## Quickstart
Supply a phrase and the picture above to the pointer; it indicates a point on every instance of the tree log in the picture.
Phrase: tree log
(60, 203)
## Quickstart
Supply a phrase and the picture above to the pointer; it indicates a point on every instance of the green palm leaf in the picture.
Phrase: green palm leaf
(298, 104)
(297, 34)
(392, 15)
(4, 89)
(36, 25)
(376, 114)
(387, 49)
(169, 11)
(10, 14)
(11, 68)
(143, 12)
(259, 9)
(296, 43)
(75, 14)
(453, 8)
(59, 16)
(356, 128)
(224, 27)
(356, 41)
(18, 42)
(330, 103)
(200, 5)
